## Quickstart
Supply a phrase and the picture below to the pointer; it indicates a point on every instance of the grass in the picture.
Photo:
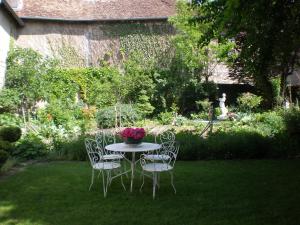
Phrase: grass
(208, 193)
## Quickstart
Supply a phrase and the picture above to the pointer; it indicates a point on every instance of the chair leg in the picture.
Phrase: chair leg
(154, 183)
(92, 180)
(109, 178)
(123, 183)
(125, 169)
(142, 174)
(103, 183)
(172, 183)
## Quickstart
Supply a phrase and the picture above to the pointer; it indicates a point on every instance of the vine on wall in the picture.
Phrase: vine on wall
(151, 41)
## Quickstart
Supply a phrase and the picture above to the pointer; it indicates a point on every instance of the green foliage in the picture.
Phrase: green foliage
(152, 41)
(67, 115)
(106, 117)
(248, 102)
(204, 105)
(237, 145)
(74, 149)
(269, 123)
(199, 58)
(166, 118)
(255, 47)
(10, 134)
(292, 122)
(66, 54)
(30, 147)
(6, 146)
(24, 76)
(266, 124)
(3, 157)
(276, 86)
(9, 100)
(143, 105)
(8, 119)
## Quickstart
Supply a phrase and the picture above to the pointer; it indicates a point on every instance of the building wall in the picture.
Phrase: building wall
(85, 44)
(7, 30)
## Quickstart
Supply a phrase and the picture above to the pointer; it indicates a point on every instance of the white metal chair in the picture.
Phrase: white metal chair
(167, 140)
(103, 139)
(104, 166)
(167, 136)
(159, 167)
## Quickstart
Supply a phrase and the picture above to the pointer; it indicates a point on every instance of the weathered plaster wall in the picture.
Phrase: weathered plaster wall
(85, 44)
(7, 29)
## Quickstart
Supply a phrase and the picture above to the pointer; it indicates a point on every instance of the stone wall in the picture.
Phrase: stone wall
(87, 43)
(7, 29)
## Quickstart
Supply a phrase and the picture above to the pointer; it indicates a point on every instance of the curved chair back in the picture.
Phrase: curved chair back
(103, 139)
(93, 152)
(167, 137)
(172, 152)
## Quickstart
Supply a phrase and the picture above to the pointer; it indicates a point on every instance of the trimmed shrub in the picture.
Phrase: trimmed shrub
(237, 145)
(30, 147)
(6, 146)
(11, 134)
(3, 157)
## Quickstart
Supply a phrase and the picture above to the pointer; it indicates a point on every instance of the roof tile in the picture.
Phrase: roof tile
(97, 9)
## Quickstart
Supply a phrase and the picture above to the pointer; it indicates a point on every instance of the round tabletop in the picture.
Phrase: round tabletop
(142, 147)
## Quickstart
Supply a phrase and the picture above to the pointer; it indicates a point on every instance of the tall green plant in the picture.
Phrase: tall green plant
(25, 72)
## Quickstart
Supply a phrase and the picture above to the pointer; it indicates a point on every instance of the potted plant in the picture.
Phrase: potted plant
(133, 135)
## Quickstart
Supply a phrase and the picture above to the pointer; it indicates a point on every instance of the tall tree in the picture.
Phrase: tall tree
(266, 34)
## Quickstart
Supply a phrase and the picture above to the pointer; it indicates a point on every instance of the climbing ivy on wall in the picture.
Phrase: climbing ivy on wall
(151, 41)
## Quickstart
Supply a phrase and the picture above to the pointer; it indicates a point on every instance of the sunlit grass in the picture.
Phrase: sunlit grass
(208, 193)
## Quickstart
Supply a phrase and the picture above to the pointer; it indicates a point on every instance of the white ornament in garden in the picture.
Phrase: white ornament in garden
(224, 110)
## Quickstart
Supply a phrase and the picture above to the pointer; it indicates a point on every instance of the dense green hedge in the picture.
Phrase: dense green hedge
(239, 145)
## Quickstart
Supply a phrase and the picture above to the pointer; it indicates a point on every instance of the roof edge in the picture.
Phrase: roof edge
(18, 20)
(94, 20)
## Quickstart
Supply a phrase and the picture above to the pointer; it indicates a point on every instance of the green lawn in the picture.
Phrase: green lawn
(208, 193)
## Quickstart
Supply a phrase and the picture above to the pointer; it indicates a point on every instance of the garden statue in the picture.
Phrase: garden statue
(286, 104)
(224, 110)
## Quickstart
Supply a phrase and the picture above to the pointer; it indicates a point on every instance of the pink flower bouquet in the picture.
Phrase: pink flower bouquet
(133, 135)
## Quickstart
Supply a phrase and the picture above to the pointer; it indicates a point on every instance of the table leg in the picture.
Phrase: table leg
(132, 170)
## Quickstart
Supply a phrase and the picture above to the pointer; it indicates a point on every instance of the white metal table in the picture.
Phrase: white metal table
(133, 148)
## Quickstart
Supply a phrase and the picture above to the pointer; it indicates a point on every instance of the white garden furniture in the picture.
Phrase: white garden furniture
(133, 148)
(104, 166)
(159, 167)
(167, 140)
(104, 139)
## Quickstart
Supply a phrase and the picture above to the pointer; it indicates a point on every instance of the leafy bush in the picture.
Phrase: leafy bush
(292, 122)
(30, 147)
(3, 157)
(166, 118)
(6, 146)
(106, 118)
(9, 100)
(11, 134)
(204, 105)
(74, 149)
(7, 119)
(199, 116)
(248, 102)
